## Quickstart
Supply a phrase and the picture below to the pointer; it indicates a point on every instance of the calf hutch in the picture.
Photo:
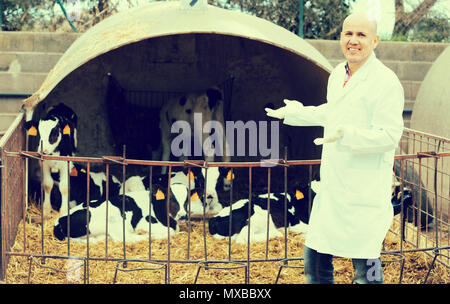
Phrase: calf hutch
(139, 214)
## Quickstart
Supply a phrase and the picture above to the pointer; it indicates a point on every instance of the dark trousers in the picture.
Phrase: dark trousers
(319, 269)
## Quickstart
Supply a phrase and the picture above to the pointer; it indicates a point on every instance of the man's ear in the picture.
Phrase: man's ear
(376, 41)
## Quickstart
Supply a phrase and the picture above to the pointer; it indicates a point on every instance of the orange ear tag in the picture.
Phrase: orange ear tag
(66, 130)
(229, 176)
(194, 197)
(74, 172)
(32, 131)
(299, 195)
(159, 195)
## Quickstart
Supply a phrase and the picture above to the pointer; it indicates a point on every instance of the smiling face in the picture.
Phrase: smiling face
(358, 39)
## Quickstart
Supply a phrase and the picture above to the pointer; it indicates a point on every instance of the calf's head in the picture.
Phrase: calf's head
(57, 130)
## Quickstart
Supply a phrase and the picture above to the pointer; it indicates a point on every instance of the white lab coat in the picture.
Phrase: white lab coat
(352, 212)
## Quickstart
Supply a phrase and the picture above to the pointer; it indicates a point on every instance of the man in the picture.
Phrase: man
(363, 123)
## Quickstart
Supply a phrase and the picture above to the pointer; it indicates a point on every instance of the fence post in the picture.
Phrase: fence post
(300, 18)
(65, 15)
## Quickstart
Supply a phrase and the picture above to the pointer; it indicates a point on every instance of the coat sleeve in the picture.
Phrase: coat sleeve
(386, 127)
(307, 116)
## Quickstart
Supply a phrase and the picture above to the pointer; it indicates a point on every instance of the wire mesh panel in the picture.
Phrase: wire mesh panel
(12, 205)
(424, 168)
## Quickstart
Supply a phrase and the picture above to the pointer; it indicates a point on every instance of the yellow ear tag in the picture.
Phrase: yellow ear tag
(74, 172)
(399, 195)
(66, 130)
(159, 195)
(82, 170)
(299, 195)
(194, 197)
(191, 175)
(32, 131)
(229, 177)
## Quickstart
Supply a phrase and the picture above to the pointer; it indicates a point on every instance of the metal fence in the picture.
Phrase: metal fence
(422, 165)
(13, 188)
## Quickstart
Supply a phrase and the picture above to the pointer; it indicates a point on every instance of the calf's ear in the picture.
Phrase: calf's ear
(66, 130)
(230, 175)
(195, 197)
(159, 195)
(182, 100)
(31, 128)
(214, 96)
(299, 195)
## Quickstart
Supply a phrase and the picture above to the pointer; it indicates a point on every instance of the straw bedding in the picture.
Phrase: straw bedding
(103, 272)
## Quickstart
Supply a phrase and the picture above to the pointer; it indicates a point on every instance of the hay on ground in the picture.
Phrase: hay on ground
(103, 264)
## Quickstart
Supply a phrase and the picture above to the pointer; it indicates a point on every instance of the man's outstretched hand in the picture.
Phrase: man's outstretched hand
(290, 107)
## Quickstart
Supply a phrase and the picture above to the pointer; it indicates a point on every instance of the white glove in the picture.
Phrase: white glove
(290, 107)
(335, 136)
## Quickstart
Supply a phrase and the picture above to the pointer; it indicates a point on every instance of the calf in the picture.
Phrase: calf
(401, 198)
(297, 212)
(133, 209)
(179, 185)
(78, 188)
(207, 196)
(58, 137)
(208, 103)
(397, 201)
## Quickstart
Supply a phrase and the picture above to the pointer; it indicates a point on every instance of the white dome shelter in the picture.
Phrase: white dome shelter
(162, 48)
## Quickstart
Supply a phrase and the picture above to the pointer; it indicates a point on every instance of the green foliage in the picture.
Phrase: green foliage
(16, 12)
(399, 37)
(281, 12)
(322, 19)
(432, 29)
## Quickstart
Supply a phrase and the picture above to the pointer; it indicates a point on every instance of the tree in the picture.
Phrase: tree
(322, 18)
(15, 12)
(433, 28)
(45, 14)
(406, 21)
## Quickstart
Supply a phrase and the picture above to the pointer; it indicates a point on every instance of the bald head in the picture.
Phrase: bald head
(358, 39)
(362, 18)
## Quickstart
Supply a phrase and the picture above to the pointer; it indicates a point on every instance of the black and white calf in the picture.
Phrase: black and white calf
(298, 208)
(78, 188)
(179, 185)
(402, 201)
(137, 217)
(398, 199)
(216, 178)
(58, 137)
(209, 104)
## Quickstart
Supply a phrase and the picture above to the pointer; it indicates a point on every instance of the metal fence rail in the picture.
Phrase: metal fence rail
(424, 170)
